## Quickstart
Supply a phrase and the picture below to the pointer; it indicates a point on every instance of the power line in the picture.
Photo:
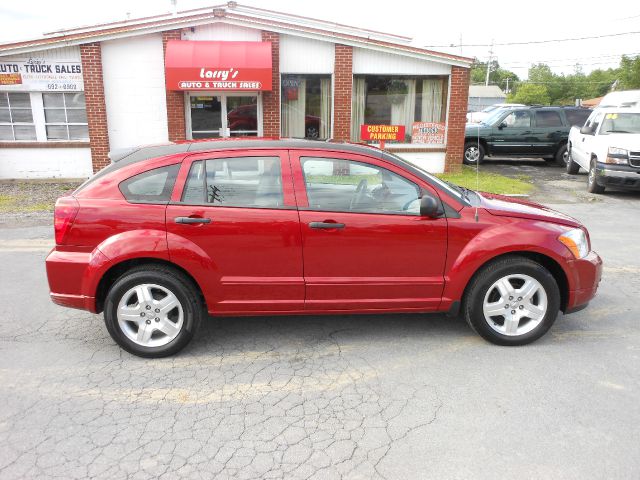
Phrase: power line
(552, 60)
(619, 34)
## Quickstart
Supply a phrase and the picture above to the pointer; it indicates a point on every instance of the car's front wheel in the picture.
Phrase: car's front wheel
(153, 311)
(592, 182)
(572, 167)
(473, 153)
(512, 301)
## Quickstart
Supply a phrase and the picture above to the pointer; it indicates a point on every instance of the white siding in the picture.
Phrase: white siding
(223, 31)
(134, 90)
(304, 55)
(374, 62)
(64, 53)
(45, 163)
(432, 162)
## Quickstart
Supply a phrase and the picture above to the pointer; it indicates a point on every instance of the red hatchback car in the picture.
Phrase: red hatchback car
(167, 234)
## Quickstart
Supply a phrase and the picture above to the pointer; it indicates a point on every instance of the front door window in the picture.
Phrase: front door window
(224, 115)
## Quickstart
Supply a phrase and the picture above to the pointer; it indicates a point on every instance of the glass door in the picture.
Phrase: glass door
(224, 115)
(206, 116)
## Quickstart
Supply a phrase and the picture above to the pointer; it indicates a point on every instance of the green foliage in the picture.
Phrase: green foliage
(530, 94)
(629, 73)
(547, 88)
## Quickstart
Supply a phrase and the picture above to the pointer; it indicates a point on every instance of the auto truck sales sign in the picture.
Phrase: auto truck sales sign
(41, 74)
(219, 79)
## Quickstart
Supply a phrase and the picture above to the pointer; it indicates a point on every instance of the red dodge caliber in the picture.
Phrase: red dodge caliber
(168, 234)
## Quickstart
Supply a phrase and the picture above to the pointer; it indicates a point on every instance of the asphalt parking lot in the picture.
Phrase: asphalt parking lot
(395, 396)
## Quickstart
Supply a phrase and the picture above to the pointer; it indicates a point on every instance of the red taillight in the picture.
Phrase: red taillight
(64, 214)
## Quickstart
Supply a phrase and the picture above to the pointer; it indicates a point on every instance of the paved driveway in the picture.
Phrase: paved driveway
(395, 397)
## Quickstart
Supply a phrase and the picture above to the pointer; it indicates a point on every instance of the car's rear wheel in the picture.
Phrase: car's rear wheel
(153, 311)
(473, 153)
(572, 167)
(592, 183)
(562, 156)
(512, 301)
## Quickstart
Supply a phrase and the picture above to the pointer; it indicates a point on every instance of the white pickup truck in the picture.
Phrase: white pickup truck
(608, 147)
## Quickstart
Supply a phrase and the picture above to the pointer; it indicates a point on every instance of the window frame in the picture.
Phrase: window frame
(66, 123)
(13, 124)
(36, 100)
(301, 187)
(319, 76)
(289, 202)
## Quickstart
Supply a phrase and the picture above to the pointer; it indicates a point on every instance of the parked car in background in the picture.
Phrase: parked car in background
(608, 147)
(523, 132)
(168, 234)
(478, 117)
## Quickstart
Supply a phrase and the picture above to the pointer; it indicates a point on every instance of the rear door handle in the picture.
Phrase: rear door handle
(192, 220)
(326, 225)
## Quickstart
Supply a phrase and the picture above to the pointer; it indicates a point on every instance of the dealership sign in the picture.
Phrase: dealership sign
(204, 65)
(41, 74)
(382, 133)
(428, 133)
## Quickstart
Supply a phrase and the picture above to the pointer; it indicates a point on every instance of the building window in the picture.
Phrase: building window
(16, 117)
(392, 100)
(65, 116)
(306, 106)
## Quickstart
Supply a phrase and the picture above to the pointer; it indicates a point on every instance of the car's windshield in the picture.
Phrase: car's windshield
(493, 117)
(490, 108)
(620, 123)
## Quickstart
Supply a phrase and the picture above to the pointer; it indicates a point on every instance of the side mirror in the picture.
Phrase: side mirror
(502, 125)
(430, 207)
(586, 130)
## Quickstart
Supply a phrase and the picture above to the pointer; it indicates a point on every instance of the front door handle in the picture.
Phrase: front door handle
(192, 220)
(326, 225)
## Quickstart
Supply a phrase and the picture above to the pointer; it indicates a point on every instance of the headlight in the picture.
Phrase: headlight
(618, 156)
(576, 241)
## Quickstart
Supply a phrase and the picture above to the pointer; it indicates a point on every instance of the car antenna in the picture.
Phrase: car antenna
(477, 171)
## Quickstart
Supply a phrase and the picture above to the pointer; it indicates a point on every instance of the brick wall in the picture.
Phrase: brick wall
(91, 58)
(271, 100)
(457, 118)
(175, 100)
(343, 86)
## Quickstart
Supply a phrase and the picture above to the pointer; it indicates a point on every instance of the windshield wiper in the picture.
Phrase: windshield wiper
(464, 191)
(616, 131)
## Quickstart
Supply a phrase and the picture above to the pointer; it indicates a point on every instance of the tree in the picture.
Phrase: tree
(629, 72)
(497, 76)
(530, 94)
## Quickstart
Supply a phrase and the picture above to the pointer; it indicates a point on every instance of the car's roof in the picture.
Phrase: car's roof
(617, 109)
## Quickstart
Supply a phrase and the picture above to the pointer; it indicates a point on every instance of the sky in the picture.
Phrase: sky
(435, 25)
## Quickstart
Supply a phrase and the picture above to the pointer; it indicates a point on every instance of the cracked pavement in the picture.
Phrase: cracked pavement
(357, 397)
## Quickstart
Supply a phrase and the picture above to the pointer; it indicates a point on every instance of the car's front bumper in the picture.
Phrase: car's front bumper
(587, 273)
(621, 176)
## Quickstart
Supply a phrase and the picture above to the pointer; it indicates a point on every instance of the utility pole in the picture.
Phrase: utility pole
(486, 82)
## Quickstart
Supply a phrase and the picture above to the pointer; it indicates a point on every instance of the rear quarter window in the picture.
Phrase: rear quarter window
(152, 186)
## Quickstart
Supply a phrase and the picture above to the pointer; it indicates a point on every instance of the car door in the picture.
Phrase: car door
(548, 131)
(234, 215)
(588, 141)
(512, 134)
(365, 246)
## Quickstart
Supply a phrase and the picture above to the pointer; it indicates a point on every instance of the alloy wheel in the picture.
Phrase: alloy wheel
(471, 154)
(150, 315)
(515, 304)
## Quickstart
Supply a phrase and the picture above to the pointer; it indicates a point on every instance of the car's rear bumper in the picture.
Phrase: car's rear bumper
(71, 279)
(587, 274)
(621, 176)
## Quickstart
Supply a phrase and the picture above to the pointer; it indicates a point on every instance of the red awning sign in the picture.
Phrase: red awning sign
(235, 66)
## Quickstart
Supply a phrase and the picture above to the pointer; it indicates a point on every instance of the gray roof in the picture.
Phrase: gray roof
(486, 91)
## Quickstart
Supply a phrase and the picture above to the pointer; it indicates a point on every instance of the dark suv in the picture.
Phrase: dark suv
(525, 131)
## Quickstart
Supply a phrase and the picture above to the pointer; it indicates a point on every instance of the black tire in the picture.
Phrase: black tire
(482, 281)
(562, 155)
(572, 167)
(469, 150)
(173, 280)
(592, 182)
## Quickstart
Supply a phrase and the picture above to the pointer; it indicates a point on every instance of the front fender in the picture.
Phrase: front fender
(492, 242)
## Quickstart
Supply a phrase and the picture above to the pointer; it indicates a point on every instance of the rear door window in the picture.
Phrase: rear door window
(577, 118)
(548, 119)
(251, 182)
(152, 186)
